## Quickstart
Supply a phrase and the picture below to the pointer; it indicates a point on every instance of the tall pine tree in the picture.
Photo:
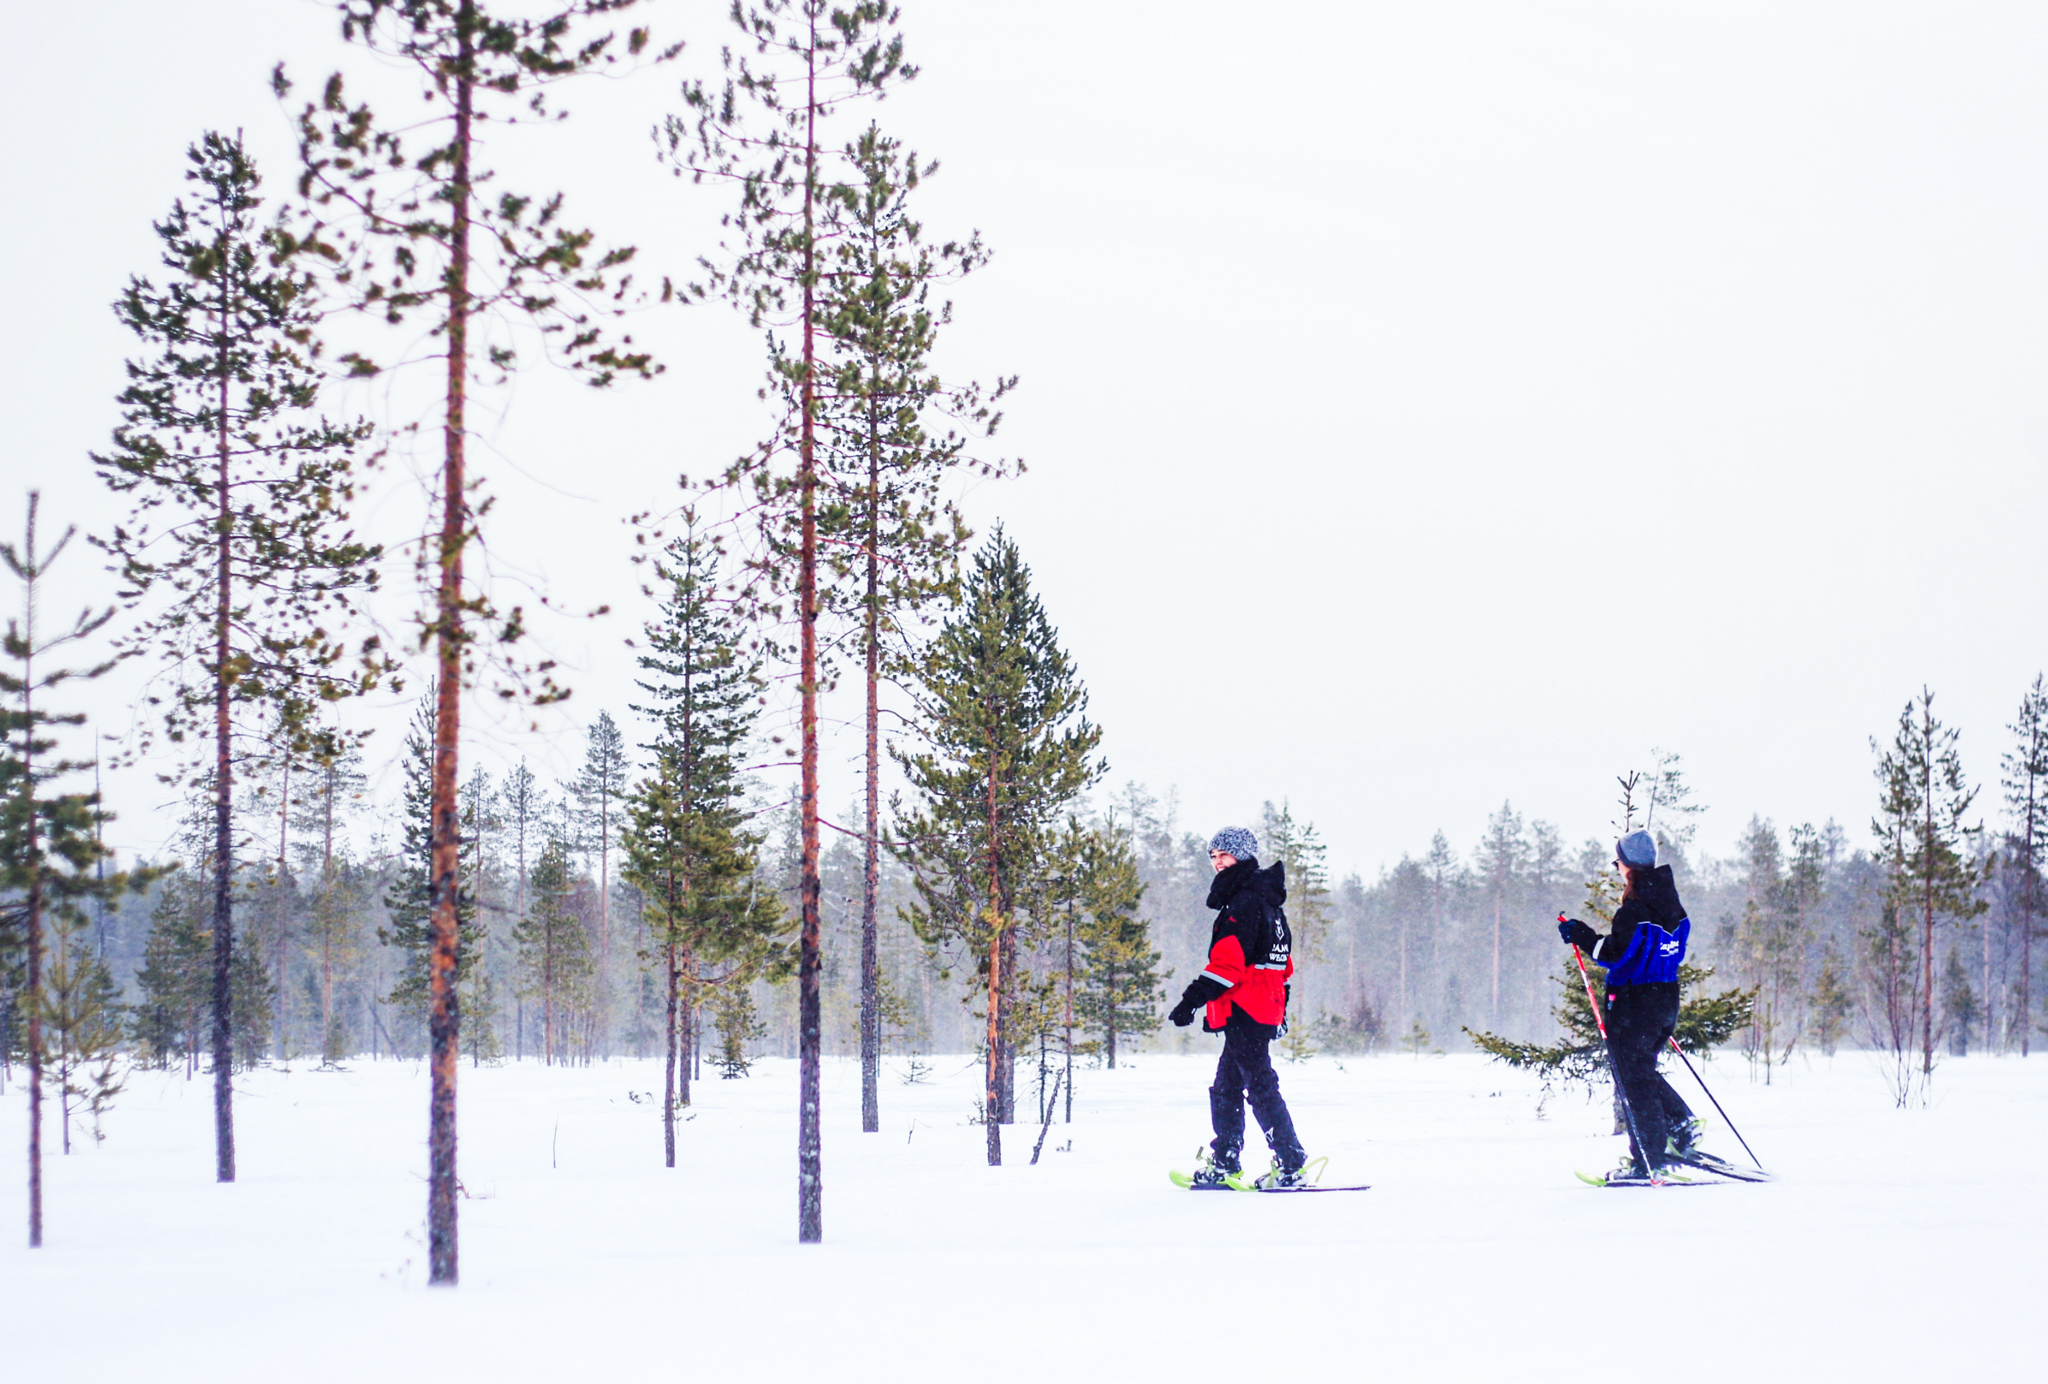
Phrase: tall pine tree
(687, 849)
(1008, 747)
(758, 130)
(598, 790)
(239, 547)
(423, 237)
(1921, 826)
(894, 433)
(556, 965)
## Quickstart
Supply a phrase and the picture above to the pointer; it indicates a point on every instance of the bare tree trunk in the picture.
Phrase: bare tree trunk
(991, 1094)
(34, 922)
(668, 1084)
(1069, 1016)
(2027, 961)
(992, 1079)
(547, 999)
(279, 914)
(1497, 888)
(445, 1017)
(2027, 928)
(1110, 1026)
(688, 1028)
(1007, 1068)
(223, 804)
(1403, 947)
(1927, 925)
(809, 1158)
(326, 985)
(1988, 1006)
(871, 867)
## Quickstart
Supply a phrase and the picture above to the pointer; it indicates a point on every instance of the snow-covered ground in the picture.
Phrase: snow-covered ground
(1896, 1244)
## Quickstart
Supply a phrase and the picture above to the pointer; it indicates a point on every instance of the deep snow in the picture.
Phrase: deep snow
(1896, 1242)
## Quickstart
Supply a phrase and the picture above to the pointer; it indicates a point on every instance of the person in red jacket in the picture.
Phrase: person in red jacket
(1243, 989)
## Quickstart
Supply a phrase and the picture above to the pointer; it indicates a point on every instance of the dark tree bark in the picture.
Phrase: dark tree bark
(1068, 1018)
(668, 1084)
(35, 1019)
(686, 1030)
(871, 870)
(992, 1095)
(445, 1018)
(223, 780)
(810, 1169)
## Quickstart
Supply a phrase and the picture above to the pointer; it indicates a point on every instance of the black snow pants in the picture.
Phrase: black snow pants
(1640, 1021)
(1246, 1070)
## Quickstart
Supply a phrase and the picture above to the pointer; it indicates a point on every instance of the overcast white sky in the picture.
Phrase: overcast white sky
(1426, 404)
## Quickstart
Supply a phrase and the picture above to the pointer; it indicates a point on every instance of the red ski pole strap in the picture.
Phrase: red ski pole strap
(1588, 979)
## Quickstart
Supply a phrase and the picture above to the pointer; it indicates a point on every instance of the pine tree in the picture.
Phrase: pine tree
(1831, 1002)
(597, 791)
(478, 801)
(427, 239)
(758, 131)
(1119, 985)
(1002, 711)
(555, 960)
(1771, 938)
(1503, 852)
(1408, 891)
(2026, 797)
(882, 393)
(686, 846)
(410, 902)
(732, 1008)
(49, 843)
(1579, 1054)
(1889, 960)
(1666, 792)
(525, 807)
(175, 975)
(1958, 1005)
(239, 544)
(331, 792)
(85, 1019)
(1301, 847)
(1920, 822)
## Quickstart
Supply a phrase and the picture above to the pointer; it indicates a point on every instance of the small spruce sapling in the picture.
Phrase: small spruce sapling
(50, 848)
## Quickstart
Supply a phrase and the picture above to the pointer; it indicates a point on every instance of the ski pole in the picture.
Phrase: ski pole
(1628, 1112)
(1717, 1105)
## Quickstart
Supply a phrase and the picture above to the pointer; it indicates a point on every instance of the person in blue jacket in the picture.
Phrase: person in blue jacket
(1642, 953)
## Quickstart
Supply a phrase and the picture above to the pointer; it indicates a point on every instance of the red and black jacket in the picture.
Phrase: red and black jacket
(1251, 951)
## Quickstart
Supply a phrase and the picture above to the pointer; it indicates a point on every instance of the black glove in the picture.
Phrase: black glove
(1577, 934)
(1183, 1013)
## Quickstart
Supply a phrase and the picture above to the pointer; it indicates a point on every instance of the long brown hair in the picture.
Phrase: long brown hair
(1629, 875)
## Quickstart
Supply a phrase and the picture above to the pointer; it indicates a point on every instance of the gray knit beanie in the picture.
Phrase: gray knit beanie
(1235, 841)
(1636, 850)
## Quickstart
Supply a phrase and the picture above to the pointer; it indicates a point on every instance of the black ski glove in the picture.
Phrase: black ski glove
(1183, 1013)
(1577, 934)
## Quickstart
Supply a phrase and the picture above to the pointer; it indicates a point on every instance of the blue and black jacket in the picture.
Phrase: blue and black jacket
(1647, 942)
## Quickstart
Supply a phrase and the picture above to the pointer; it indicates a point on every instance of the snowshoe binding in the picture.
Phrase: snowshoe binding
(1631, 1174)
(1211, 1174)
(1280, 1178)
